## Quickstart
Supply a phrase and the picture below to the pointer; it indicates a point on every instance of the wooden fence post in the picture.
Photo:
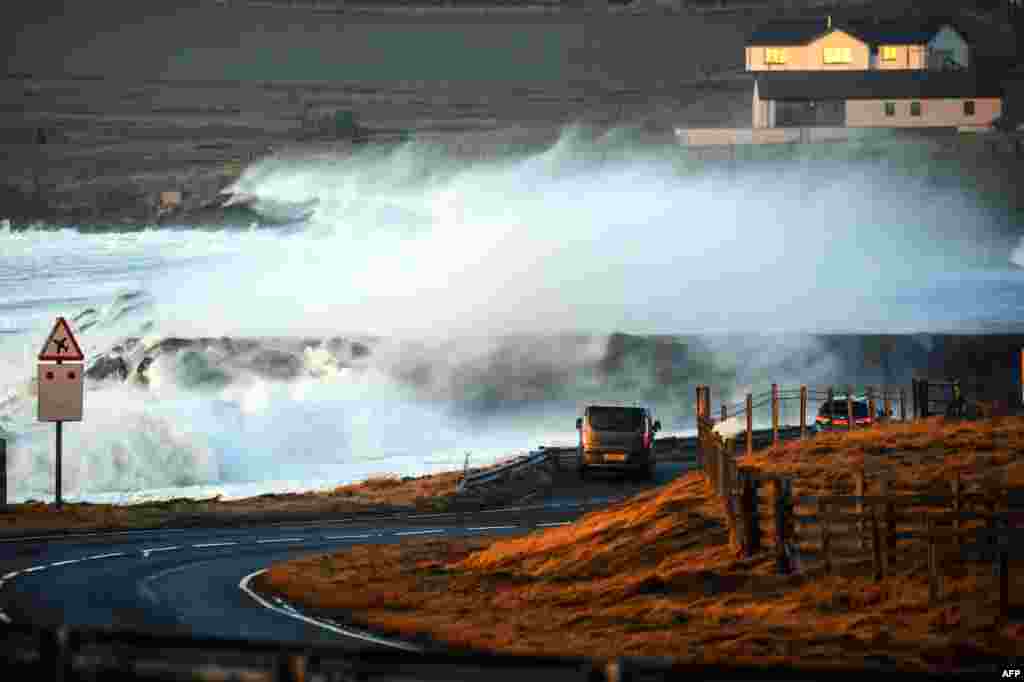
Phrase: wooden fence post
(934, 588)
(750, 424)
(775, 414)
(702, 457)
(957, 506)
(877, 564)
(887, 522)
(803, 412)
(849, 407)
(858, 490)
(782, 566)
(915, 393)
(751, 519)
(831, 409)
(725, 412)
(723, 481)
(903, 404)
(826, 549)
(925, 389)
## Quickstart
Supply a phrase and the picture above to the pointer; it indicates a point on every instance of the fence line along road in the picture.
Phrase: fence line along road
(875, 532)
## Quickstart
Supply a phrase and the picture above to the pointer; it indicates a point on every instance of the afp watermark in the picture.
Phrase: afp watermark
(1011, 673)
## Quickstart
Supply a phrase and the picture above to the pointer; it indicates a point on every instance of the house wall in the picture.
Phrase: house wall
(812, 56)
(814, 53)
(946, 38)
(907, 57)
(934, 112)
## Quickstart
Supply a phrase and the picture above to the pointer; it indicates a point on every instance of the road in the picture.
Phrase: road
(187, 580)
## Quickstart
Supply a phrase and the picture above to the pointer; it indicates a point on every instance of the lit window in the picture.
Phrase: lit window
(774, 55)
(837, 55)
(890, 108)
(969, 108)
(915, 108)
(889, 53)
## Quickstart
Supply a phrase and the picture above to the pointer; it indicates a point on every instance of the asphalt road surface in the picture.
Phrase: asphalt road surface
(188, 580)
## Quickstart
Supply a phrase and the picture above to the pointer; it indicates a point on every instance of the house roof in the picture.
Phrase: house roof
(791, 33)
(888, 33)
(896, 84)
(903, 33)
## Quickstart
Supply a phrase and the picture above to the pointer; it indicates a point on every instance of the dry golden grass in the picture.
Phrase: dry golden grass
(655, 575)
(376, 491)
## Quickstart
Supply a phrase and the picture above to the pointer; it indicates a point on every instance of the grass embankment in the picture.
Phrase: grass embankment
(425, 492)
(655, 575)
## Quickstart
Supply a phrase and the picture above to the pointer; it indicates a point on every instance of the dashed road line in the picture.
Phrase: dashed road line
(72, 536)
(204, 545)
(153, 550)
(266, 540)
(65, 562)
(349, 537)
(33, 569)
(105, 556)
(421, 532)
(491, 527)
(10, 575)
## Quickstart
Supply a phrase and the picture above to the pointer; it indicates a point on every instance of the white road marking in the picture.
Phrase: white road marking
(11, 575)
(556, 523)
(65, 563)
(151, 550)
(104, 556)
(204, 545)
(244, 586)
(348, 537)
(490, 527)
(71, 536)
(421, 532)
(266, 540)
(33, 569)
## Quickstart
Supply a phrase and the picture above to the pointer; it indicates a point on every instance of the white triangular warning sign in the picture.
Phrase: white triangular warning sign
(61, 344)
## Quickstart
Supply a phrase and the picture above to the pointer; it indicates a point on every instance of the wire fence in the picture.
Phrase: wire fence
(893, 534)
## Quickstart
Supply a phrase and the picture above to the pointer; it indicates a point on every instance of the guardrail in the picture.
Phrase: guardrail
(71, 654)
(534, 458)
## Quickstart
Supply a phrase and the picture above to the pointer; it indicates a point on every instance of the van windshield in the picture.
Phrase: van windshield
(616, 418)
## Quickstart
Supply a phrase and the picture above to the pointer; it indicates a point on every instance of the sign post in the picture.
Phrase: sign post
(61, 386)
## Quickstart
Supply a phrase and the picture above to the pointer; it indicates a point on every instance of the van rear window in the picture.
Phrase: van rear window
(616, 418)
(860, 410)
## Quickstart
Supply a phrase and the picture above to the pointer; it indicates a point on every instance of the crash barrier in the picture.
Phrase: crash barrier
(71, 654)
(503, 471)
